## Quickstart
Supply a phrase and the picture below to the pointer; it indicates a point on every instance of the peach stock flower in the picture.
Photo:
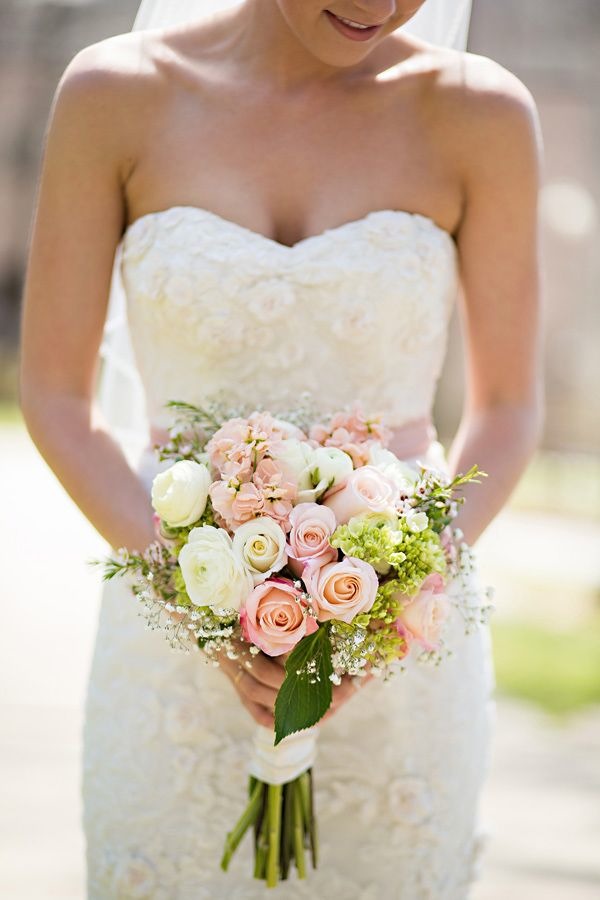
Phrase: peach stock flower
(341, 590)
(424, 615)
(353, 433)
(311, 527)
(274, 617)
(365, 490)
(269, 493)
(277, 488)
(236, 448)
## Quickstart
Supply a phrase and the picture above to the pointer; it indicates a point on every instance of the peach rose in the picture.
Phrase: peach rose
(341, 590)
(275, 618)
(365, 490)
(311, 527)
(424, 615)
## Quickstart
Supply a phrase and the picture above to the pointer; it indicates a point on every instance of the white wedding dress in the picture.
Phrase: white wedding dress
(357, 313)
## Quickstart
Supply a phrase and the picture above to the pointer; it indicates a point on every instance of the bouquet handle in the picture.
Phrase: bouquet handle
(280, 806)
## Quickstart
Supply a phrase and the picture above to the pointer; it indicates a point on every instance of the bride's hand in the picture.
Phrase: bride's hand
(257, 680)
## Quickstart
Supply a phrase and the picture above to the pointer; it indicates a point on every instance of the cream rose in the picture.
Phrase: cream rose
(341, 590)
(260, 546)
(212, 573)
(365, 490)
(403, 475)
(179, 494)
(312, 524)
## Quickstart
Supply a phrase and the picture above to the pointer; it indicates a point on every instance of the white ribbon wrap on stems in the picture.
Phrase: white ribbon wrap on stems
(286, 761)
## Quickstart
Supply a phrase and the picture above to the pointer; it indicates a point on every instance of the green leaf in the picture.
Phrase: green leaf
(305, 695)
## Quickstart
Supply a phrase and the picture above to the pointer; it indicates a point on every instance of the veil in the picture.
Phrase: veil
(119, 393)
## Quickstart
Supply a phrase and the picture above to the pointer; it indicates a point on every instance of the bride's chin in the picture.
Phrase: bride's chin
(330, 47)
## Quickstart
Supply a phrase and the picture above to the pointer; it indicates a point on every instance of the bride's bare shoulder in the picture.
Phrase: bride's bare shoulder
(116, 69)
(110, 91)
(486, 99)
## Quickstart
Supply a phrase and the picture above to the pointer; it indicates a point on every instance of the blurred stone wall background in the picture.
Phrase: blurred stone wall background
(551, 45)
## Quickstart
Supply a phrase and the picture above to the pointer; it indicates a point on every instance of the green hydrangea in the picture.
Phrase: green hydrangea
(391, 547)
(373, 539)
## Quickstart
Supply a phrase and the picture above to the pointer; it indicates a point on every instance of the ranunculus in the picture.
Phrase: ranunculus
(341, 590)
(311, 527)
(416, 521)
(212, 573)
(179, 494)
(403, 475)
(260, 546)
(329, 467)
(296, 458)
(274, 617)
(424, 615)
(365, 490)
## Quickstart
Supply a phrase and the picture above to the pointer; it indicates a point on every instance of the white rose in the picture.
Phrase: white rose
(259, 545)
(297, 457)
(212, 573)
(179, 494)
(329, 466)
(401, 473)
(416, 521)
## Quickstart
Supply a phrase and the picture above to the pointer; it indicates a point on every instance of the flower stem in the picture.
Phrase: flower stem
(260, 855)
(244, 822)
(312, 825)
(274, 804)
(298, 830)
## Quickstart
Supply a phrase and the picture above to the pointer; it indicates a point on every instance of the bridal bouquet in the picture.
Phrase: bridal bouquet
(311, 542)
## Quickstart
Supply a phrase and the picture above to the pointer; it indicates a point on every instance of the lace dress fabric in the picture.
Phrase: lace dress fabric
(359, 312)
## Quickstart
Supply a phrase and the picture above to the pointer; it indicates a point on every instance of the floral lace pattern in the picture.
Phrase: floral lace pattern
(362, 311)
(351, 309)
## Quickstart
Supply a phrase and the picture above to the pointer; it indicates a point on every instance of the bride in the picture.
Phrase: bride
(295, 189)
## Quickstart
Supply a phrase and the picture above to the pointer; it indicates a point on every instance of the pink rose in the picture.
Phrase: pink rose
(311, 527)
(365, 490)
(423, 616)
(341, 590)
(275, 618)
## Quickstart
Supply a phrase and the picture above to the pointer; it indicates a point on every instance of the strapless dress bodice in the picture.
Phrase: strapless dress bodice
(356, 314)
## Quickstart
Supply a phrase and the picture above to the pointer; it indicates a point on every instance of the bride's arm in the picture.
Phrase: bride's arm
(77, 224)
(500, 312)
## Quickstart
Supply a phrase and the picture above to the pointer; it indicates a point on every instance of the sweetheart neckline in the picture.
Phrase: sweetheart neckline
(278, 244)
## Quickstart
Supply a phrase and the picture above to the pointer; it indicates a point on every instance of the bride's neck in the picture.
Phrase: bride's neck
(261, 41)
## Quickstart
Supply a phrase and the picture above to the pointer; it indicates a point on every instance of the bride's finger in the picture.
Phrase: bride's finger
(264, 669)
(251, 689)
(260, 715)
